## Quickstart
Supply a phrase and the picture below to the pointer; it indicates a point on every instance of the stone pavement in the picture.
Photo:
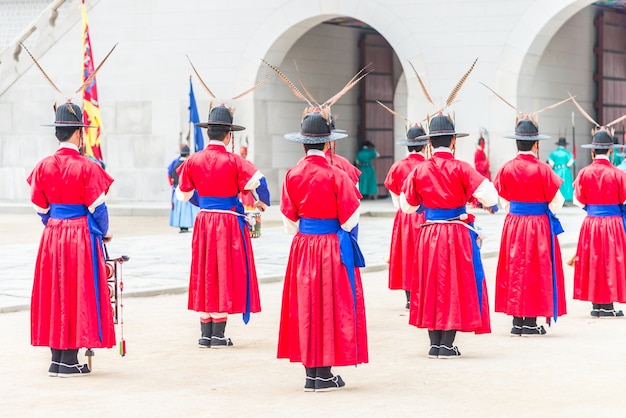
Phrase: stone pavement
(160, 256)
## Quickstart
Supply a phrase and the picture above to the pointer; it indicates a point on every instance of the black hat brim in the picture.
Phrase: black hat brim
(457, 134)
(596, 146)
(70, 125)
(224, 125)
(537, 137)
(304, 139)
(410, 143)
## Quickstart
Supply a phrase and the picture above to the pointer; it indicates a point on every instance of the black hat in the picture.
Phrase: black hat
(221, 116)
(601, 140)
(414, 131)
(527, 130)
(184, 150)
(441, 125)
(69, 115)
(562, 142)
(315, 129)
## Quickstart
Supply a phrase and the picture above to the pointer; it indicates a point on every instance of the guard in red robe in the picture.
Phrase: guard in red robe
(600, 263)
(223, 277)
(70, 306)
(448, 292)
(529, 277)
(405, 225)
(322, 321)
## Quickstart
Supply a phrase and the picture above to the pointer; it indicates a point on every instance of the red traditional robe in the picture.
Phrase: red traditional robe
(524, 284)
(444, 294)
(481, 162)
(600, 266)
(220, 251)
(64, 313)
(405, 226)
(319, 323)
(345, 165)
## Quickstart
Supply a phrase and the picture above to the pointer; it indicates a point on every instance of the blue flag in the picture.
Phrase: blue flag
(198, 140)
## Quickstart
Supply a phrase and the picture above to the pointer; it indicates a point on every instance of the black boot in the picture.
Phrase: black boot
(518, 323)
(69, 366)
(408, 299)
(447, 348)
(595, 310)
(309, 383)
(53, 371)
(217, 338)
(606, 310)
(206, 328)
(530, 327)
(325, 381)
(435, 343)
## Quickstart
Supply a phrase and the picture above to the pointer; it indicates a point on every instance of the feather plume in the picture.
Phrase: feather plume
(552, 106)
(253, 88)
(200, 78)
(293, 88)
(580, 109)
(306, 91)
(93, 74)
(41, 69)
(430, 100)
(621, 118)
(393, 112)
(71, 110)
(346, 88)
(500, 97)
(458, 86)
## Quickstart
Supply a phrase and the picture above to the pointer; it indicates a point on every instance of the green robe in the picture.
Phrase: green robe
(561, 161)
(367, 179)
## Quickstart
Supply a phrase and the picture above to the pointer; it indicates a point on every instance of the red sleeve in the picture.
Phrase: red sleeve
(287, 206)
(247, 170)
(36, 192)
(348, 196)
(410, 188)
(390, 183)
(185, 183)
(97, 181)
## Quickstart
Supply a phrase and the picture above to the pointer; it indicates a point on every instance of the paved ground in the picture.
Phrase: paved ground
(573, 371)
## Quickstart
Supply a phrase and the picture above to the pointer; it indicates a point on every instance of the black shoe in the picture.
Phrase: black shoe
(218, 342)
(609, 313)
(407, 306)
(595, 313)
(434, 351)
(183, 230)
(516, 331)
(329, 384)
(309, 384)
(53, 371)
(446, 352)
(74, 370)
(204, 342)
(529, 331)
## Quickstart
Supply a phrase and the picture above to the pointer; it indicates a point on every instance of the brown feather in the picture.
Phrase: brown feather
(293, 88)
(41, 69)
(430, 100)
(621, 118)
(306, 91)
(458, 86)
(581, 110)
(253, 88)
(500, 97)
(393, 112)
(346, 88)
(200, 78)
(93, 74)
(552, 106)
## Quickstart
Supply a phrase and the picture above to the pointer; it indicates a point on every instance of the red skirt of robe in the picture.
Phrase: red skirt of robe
(524, 273)
(63, 311)
(444, 295)
(217, 281)
(402, 253)
(319, 325)
(600, 266)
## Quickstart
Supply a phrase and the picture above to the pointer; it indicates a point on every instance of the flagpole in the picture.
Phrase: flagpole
(574, 144)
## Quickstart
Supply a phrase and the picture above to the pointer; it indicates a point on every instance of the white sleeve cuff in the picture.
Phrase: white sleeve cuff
(505, 204)
(39, 209)
(352, 221)
(486, 193)
(291, 227)
(254, 182)
(395, 200)
(96, 203)
(557, 202)
(182, 196)
(405, 206)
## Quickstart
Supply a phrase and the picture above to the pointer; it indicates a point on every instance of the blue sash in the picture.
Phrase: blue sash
(607, 210)
(227, 203)
(66, 211)
(541, 208)
(479, 272)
